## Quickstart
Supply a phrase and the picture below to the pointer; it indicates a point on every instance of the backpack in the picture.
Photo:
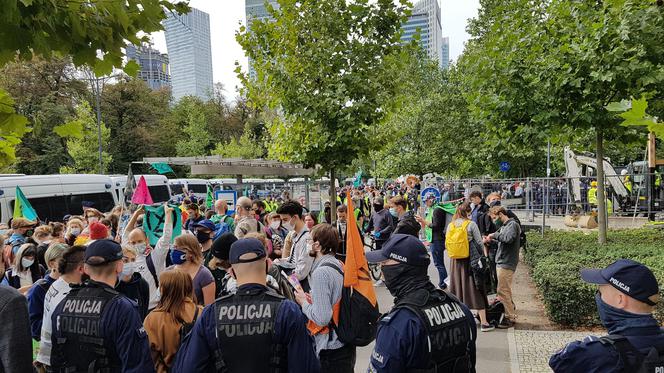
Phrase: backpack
(456, 241)
(358, 318)
(650, 362)
(495, 313)
(152, 269)
(221, 228)
(185, 327)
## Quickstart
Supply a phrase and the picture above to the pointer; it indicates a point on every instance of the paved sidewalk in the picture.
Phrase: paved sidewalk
(530, 349)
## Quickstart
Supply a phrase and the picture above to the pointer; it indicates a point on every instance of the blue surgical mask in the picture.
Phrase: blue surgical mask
(393, 212)
(178, 257)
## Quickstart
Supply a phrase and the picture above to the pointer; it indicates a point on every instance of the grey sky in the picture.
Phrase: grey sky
(225, 16)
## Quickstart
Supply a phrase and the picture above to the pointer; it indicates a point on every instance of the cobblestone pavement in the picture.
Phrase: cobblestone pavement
(530, 349)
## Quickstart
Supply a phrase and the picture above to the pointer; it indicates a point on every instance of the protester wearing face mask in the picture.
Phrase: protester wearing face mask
(150, 262)
(74, 229)
(381, 223)
(275, 234)
(131, 284)
(93, 216)
(626, 298)
(186, 256)
(39, 289)
(327, 282)
(407, 339)
(25, 271)
(204, 230)
(70, 269)
(507, 259)
(108, 329)
(21, 229)
(406, 224)
(299, 262)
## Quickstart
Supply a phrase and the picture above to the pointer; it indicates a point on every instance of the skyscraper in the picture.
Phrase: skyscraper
(425, 19)
(154, 65)
(445, 62)
(256, 10)
(190, 52)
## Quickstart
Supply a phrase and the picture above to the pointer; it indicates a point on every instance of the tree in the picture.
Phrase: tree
(83, 147)
(552, 67)
(245, 147)
(194, 139)
(323, 64)
(80, 29)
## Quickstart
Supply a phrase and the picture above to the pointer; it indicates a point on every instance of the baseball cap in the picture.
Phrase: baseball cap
(246, 246)
(403, 248)
(109, 250)
(221, 247)
(629, 277)
(207, 224)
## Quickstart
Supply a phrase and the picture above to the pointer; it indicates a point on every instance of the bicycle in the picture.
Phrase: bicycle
(374, 268)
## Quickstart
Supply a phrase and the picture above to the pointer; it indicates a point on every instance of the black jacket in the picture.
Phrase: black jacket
(136, 289)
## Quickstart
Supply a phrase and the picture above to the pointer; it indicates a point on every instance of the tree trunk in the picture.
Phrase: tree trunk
(601, 196)
(333, 197)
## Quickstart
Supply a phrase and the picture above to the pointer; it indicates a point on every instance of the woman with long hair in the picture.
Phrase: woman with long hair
(26, 269)
(175, 311)
(462, 282)
(187, 256)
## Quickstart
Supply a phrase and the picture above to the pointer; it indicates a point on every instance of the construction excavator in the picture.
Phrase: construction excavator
(636, 190)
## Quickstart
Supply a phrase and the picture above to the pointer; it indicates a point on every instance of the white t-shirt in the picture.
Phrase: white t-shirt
(25, 277)
(55, 294)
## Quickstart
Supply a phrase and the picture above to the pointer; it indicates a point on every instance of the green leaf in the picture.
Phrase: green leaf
(73, 129)
(131, 68)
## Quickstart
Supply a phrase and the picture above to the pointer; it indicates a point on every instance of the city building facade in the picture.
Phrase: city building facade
(153, 64)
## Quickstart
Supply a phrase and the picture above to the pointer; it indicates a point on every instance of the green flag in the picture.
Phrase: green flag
(22, 207)
(153, 223)
(162, 168)
(209, 199)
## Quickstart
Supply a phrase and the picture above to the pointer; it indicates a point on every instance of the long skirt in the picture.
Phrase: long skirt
(462, 285)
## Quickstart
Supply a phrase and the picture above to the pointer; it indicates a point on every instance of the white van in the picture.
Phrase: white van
(54, 196)
(158, 186)
(196, 187)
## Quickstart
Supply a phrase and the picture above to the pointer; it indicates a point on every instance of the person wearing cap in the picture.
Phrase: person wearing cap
(381, 222)
(150, 261)
(95, 328)
(204, 230)
(592, 195)
(254, 330)
(219, 264)
(416, 333)
(626, 298)
(22, 228)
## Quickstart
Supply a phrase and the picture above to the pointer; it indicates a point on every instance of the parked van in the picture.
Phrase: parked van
(54, 196)
(158, 186)
(196, 187)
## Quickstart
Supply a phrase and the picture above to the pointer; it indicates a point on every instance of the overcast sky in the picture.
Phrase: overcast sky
(225, 16)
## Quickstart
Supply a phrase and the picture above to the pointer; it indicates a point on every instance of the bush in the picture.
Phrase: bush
(557, 259)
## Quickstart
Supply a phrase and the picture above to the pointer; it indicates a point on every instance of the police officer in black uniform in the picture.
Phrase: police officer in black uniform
(428, 330)
(95, 328)
(627, 295)
(254, 330)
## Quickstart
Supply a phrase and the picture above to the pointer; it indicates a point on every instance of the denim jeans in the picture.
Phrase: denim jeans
(437, 252)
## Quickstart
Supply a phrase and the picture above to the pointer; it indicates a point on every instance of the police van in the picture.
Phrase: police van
(196, 187)
(54, 196)
(158, 186)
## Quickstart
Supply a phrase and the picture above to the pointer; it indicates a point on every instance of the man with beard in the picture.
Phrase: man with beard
(428, 329)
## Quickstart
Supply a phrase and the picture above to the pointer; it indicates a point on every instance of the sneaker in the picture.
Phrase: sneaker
(379, 283)
(506, 324)
(487, 327)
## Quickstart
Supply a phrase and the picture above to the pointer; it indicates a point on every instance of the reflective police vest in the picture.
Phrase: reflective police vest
(80, 345)
(245, 333)
(448, 330)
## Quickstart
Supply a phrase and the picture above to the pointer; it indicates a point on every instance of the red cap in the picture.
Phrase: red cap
(98, 231)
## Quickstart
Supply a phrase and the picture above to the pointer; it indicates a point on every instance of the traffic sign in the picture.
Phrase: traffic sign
(230, 196)
(505, 166)
(430, 191)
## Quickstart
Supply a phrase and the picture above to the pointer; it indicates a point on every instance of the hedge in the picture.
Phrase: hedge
(557, 259)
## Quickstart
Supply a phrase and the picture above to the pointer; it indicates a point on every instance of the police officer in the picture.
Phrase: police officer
(428, 330)
(95, 328)
(254, 330)
(627, 295)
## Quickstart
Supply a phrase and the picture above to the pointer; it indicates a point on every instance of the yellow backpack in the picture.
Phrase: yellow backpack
(456, 241)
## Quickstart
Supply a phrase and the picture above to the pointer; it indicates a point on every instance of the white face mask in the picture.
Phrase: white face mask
(275, 224)
(141, 247)
(289, 225)
(128, 269)
(26, 263)
(75, 231)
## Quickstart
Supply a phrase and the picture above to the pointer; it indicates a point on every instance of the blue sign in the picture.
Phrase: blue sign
(430, 191)
(505, 166)
(230, 196)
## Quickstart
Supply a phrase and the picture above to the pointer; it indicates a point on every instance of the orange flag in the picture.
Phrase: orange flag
(356, 268)
(142, 194)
